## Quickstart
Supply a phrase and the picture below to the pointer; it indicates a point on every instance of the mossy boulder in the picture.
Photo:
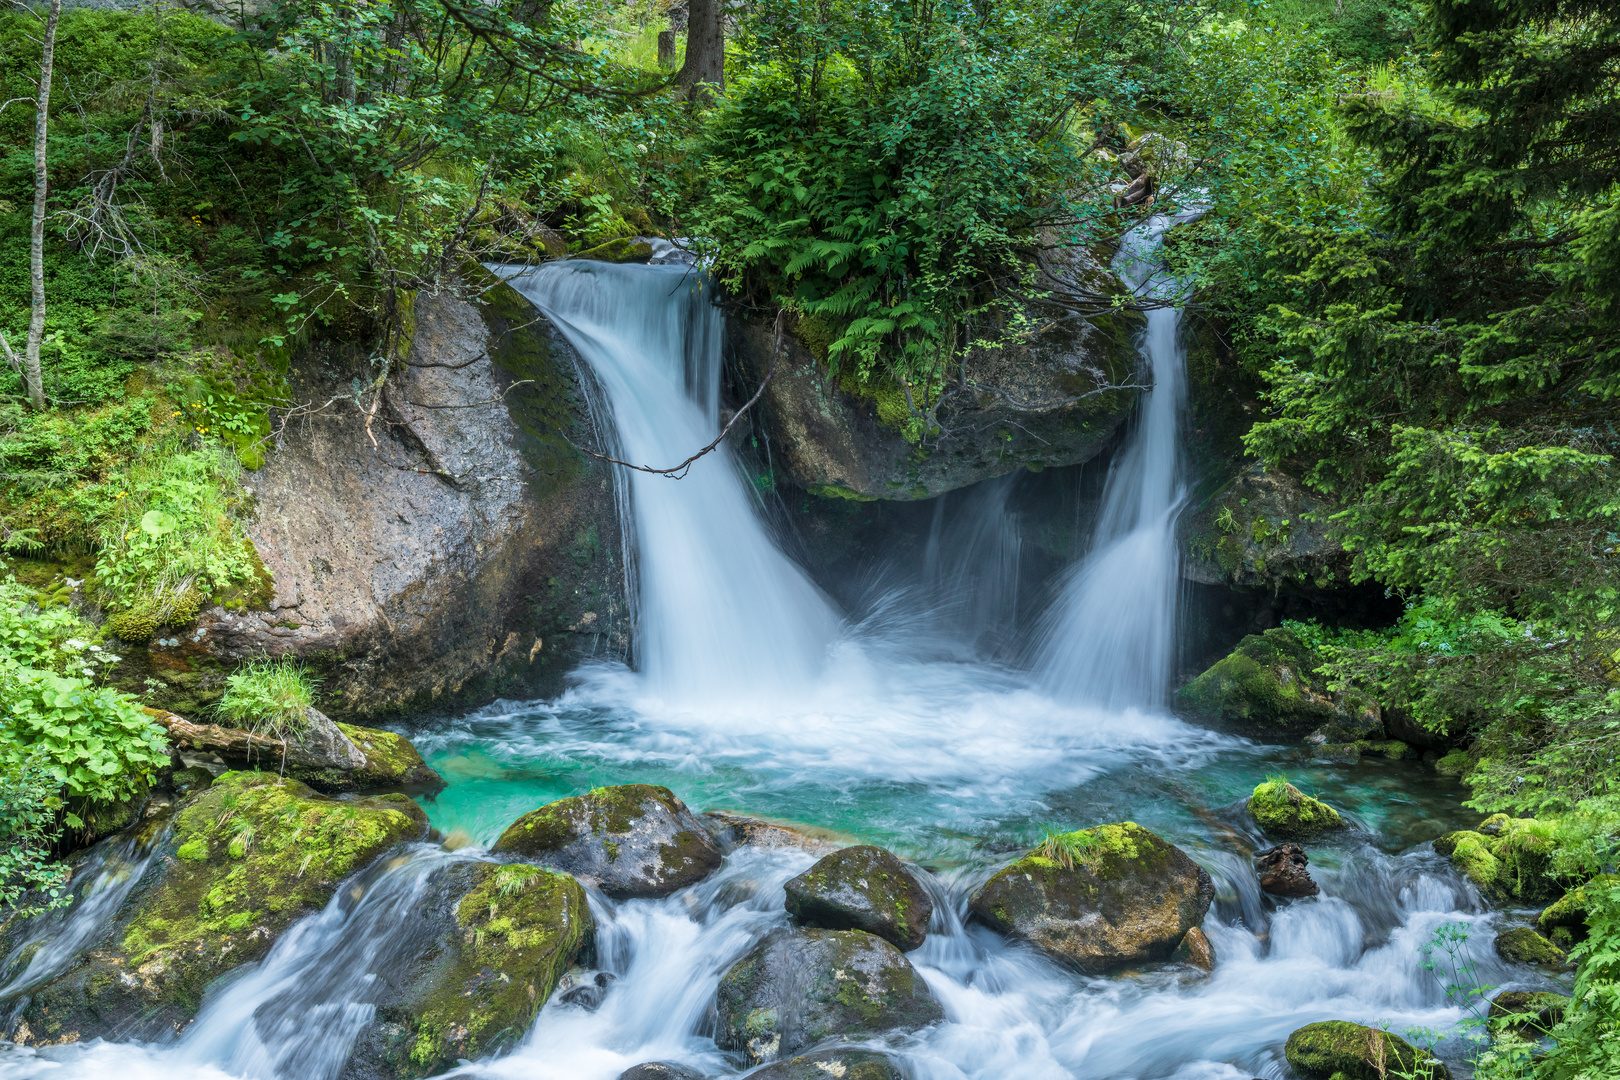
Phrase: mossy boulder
(500, 938)
(246, 857)
(390, 762)
(1338, 1049)
(618, 250)
(1531, 1015)
(837, 1064)
(1286, 812)
(628, 841)
(1114, 895)
(797, 988)
(863, 888)
(1523, 945)
(1564, 920)
(1505, 858)
(1268, 685)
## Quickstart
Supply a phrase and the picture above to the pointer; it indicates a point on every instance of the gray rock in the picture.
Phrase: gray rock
(1254, 532)
(631, 840)
(825, 1064)
(1129, 897)
(863, 888)
(660, 1070)
(739, 830)
(320, 745)
(800, 987)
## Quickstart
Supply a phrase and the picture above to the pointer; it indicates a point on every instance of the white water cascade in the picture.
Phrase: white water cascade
(1109, 639)
(722, 613)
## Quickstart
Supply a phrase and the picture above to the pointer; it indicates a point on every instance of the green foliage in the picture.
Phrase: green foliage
(30, 798)
(268, 697)
(1081, 849)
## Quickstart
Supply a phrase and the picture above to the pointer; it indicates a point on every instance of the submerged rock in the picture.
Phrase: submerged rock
(1105, 898)
(499, 939)
(1338, 1048)
(801, 987)
(1531, 1015)
(246, 857)
(831, 1065)
(628, 841)
(1564, 921)
(1284, 871)
(1523, 945)
(1195, 949)
(1268, 684)
(1284, 811)
(863, 888)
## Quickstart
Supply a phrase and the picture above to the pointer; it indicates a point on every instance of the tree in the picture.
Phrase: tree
(705, 48)
(32, 376)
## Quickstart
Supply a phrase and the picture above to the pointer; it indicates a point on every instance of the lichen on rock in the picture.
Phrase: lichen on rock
(1286, 812)
(1338, 1048)
(1129, 898)
(862, 888)
(797, 988)
(630, 840)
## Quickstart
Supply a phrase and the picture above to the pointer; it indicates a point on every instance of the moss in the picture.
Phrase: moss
(1505, 857)
(1340, 1048)
(1524, 946)
(1530, 1015)
(1566, 917)
(391, 762)
(1455, 763)
(1264, 682)
(1471, 855)
(601, 810)
(621, 249)
(1284, 811)
(838, 491)
(521, 927)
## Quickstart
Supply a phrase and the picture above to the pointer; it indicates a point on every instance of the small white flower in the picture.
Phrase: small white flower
(95, 648)
(73, 643)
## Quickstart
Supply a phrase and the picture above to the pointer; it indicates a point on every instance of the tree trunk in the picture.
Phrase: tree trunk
(705, 67)
(666, 48)
(36, 241)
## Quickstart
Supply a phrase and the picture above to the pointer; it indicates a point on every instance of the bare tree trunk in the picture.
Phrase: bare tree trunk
(32, 376)
(705, 48)
(666, 49)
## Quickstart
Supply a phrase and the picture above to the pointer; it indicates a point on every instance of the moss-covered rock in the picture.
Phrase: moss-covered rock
(863, 888)
(476, 984)
(1263, 528)
(1268, 684)
(390, 762)
(1523, 945)
(1338, 1049)
(1530, 1015)
(1471, 854)
(1505, 858)
(797, 988)
(1286, 812)
(631, 840)
(618, 250)
(246, 857)
(1104, 898)
(837, 1064)
(1564, 921)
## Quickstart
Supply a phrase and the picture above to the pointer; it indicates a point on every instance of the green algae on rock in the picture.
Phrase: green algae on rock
(797, 988)
(246, 857)
(1129, 897)
(631, 840)
(1286, 812)
(1523, 945)
(498, 956)
(863, 888)
(834, 1064)
(1337, 1048)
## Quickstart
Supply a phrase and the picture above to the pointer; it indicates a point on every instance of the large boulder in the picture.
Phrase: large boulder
(1032, 402)
(1286, 812)
(1099, 899)
(1564, 920)
(451, 548)
(1505, 858)
(1263, 529)
(836, 1064)
(631, 840)
(246, 857)
(1336, 1049)
(499, 938)
(1268, 685)
(1522, 945)
(863, 888)
(797, 988)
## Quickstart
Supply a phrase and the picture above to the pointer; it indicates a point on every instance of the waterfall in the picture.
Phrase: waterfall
(722, 614)
(1109, 639)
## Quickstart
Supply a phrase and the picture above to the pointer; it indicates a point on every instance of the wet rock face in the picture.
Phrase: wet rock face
(801, 987)
(495, 943)
(1286, 812)
(863, 888)
(1564, 920)
(468, 552)
(1255, 532)
(628, 841)
(1195, 949)
(247, 856)
(1523, 945)
(1128, 897)
(826, 1064)
(1284, 871)
(739, 830)
(1267, 685)
(1338, 1048)
(1029, 406)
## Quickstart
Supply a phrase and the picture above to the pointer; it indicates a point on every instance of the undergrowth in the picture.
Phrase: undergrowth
(269, 697)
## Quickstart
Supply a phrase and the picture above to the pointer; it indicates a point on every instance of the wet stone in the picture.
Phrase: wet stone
(863, 888)
(832, 1065)
(588, 995)
(1195, 949)
(1339, 1049)
(1283, 871)
(1523, 945)
(798, 988)
(660, 1070)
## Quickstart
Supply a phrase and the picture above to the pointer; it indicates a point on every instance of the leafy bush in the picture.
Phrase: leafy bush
(30, 798)
(268, 697)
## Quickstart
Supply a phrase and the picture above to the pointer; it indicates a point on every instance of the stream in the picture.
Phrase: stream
(752, 692)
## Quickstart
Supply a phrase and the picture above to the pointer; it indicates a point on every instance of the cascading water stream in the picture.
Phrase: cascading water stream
(723, 616)
(1109, 639)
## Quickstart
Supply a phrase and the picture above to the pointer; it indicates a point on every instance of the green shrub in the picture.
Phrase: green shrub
(30, 798)
(268, 697)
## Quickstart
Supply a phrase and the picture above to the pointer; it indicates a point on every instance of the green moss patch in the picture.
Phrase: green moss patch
(1339, 1049)
(1523, 945)
(1266, 682)
(1286, 812)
